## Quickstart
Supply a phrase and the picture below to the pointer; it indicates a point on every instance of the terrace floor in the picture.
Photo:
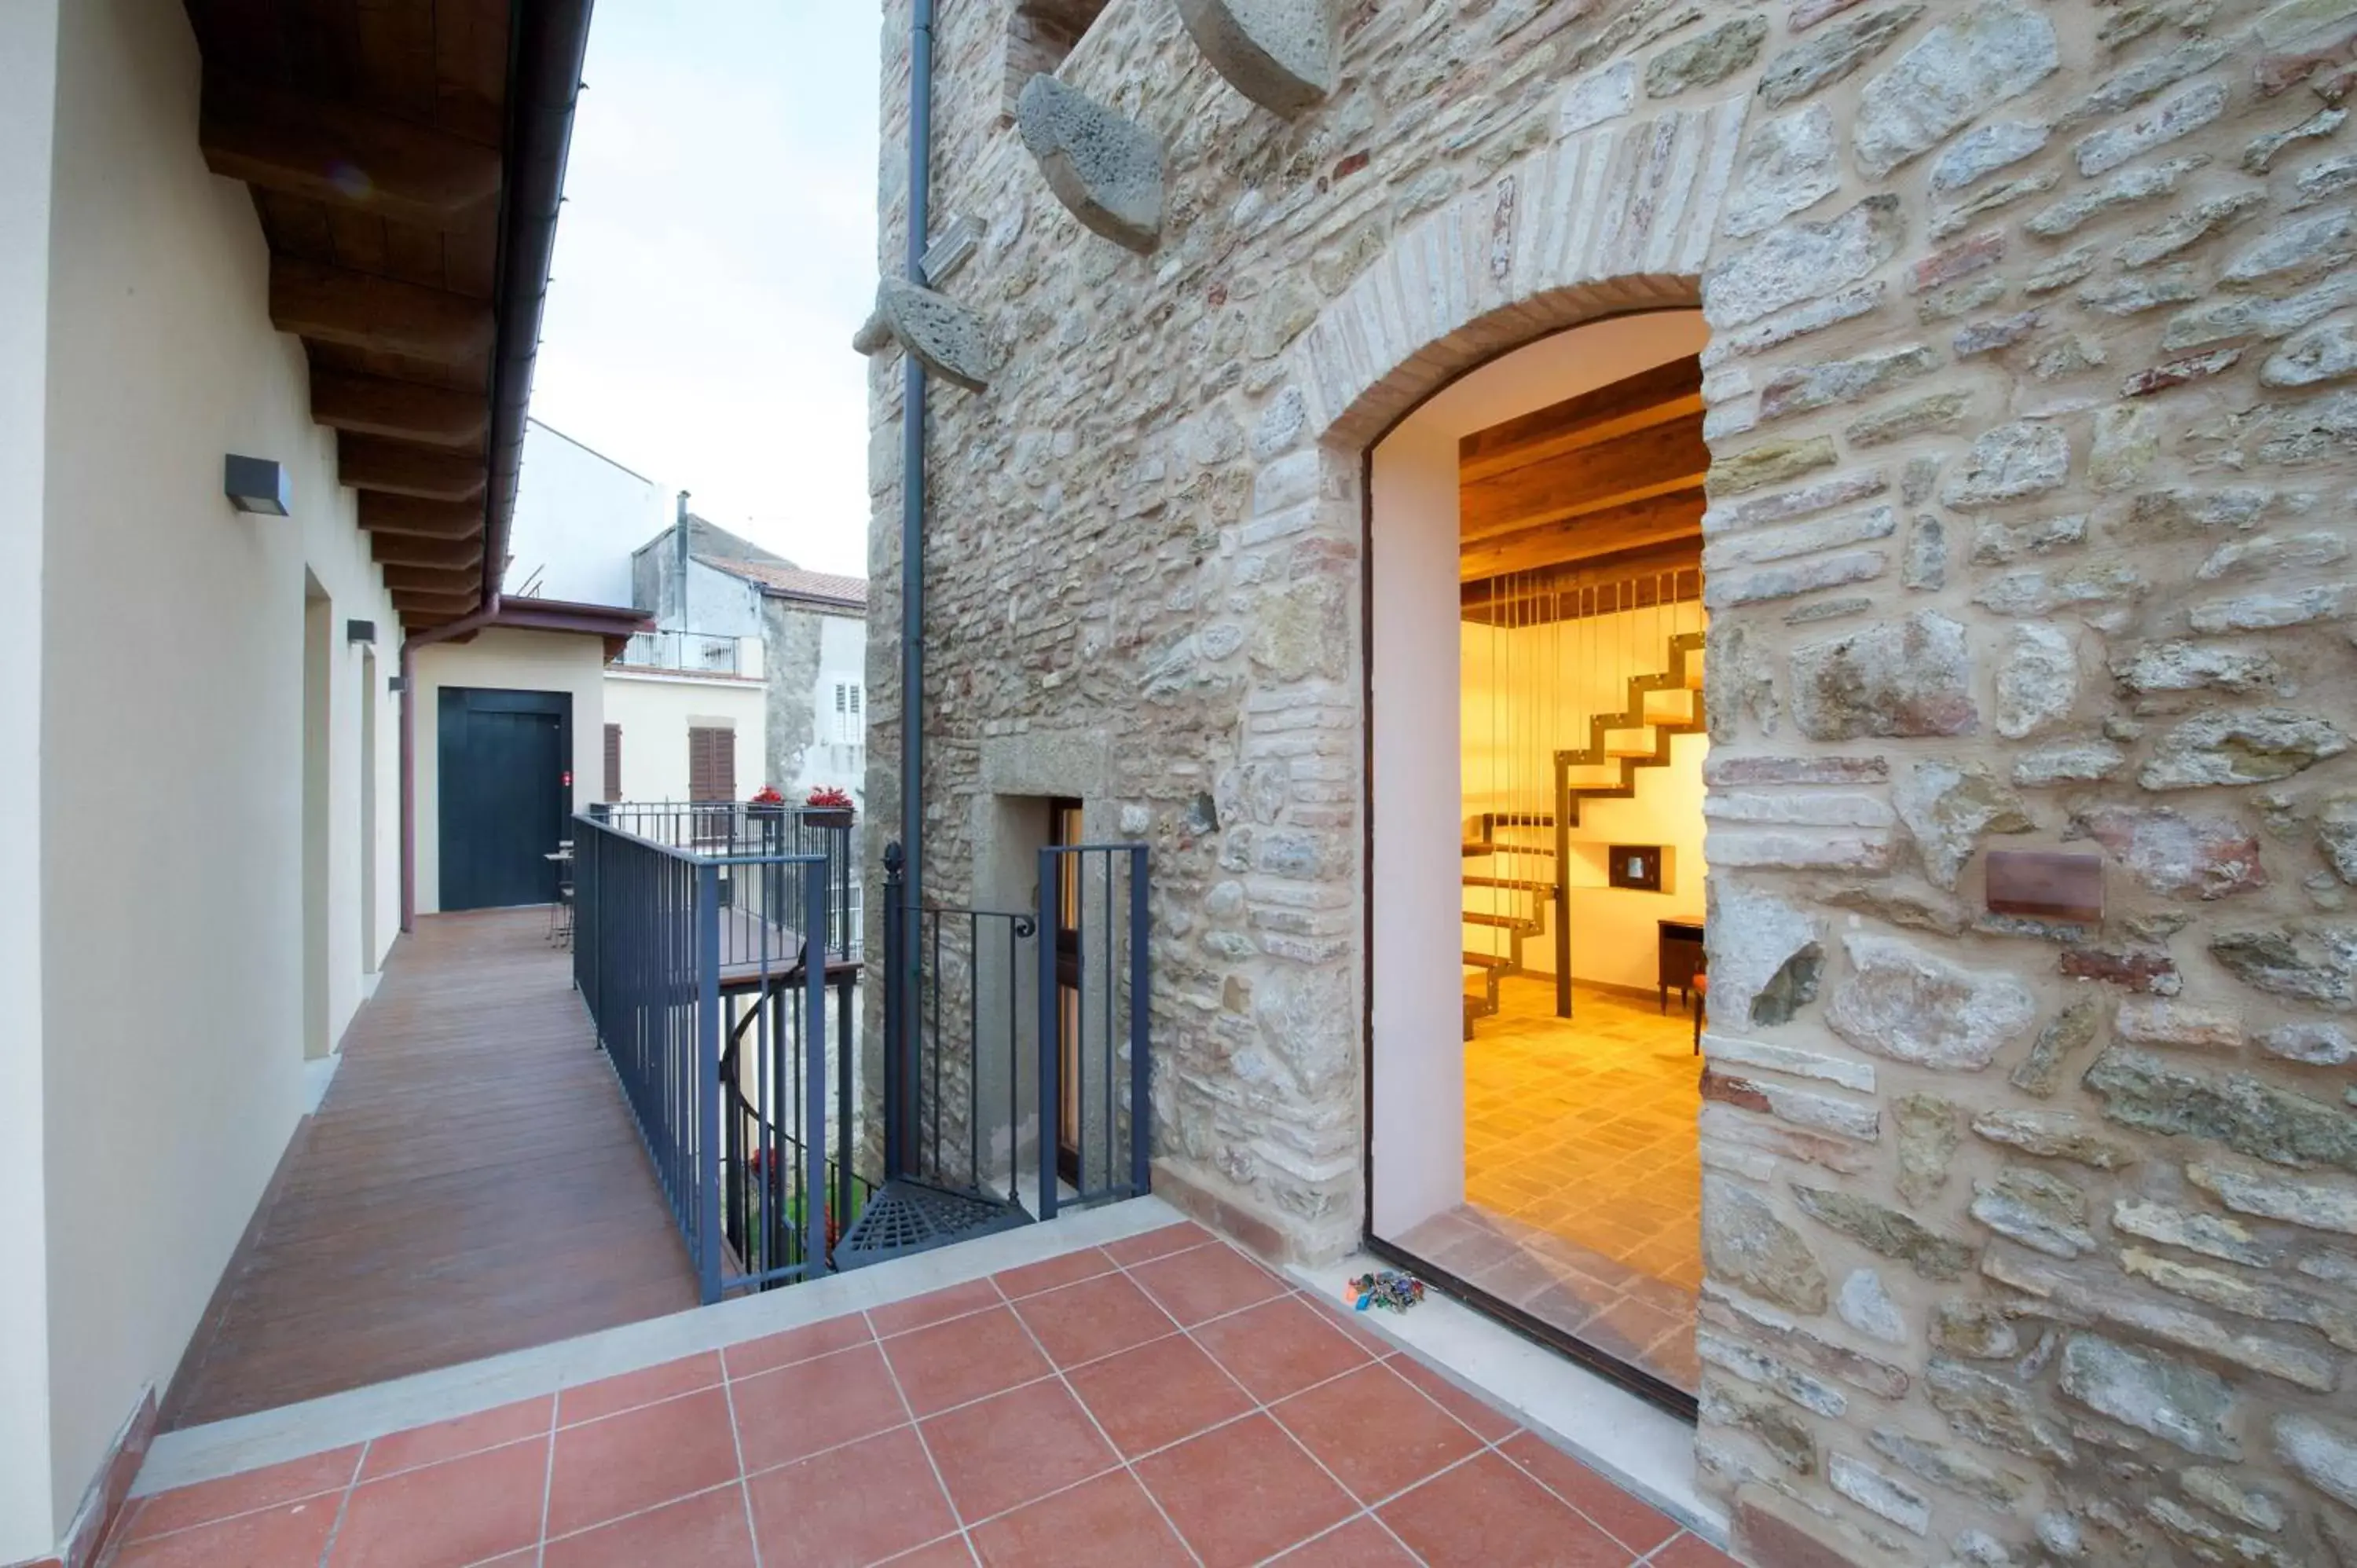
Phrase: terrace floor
(473, 1183)
(1160, 1399)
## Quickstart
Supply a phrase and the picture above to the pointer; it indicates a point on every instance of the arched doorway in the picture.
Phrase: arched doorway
(1534, 555)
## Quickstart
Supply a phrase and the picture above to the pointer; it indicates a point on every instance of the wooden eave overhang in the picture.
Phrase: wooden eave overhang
(404, 158)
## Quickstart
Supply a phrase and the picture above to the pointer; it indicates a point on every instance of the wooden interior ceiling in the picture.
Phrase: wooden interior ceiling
(371, 134)
(1611, 478)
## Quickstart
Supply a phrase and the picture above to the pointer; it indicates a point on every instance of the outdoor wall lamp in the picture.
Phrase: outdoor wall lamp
(396, 685)
(360, 631)
(257, 485)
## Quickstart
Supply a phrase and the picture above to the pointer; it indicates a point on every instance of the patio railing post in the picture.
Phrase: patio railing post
(897, 1085)
(1141, 1092)
(1051, 919)
(815, 1184)
(708, 1080)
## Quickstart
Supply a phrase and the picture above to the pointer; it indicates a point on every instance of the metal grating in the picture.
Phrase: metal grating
(906, 1217)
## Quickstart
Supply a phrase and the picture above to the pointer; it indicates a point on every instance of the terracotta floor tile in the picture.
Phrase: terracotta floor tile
(1692, 1551)
(1487, 1512)
(209, 1500)
(1361, 1543)
(1048, 1273)
(1375, 1431)
(1205, 1283)
(950, 1553)
(708, 1531)
(1280, 1348)
(1635, 1524)
(1133, 1250)
(445, 1515)
(795, 1412)
(1244, 1492)
(1095, 1318)
(851, 1505)
(963, 1358)
(289, 1535)
(1109, 1519)
(1487, 1423)
(1155, 1395)
(449, 1439)
(1006, 1451)
(803, 1344)
(934, 1306)
(639, 1458)
(610, 1396)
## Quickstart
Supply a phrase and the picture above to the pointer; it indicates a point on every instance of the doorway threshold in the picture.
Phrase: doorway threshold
(1632, 1441)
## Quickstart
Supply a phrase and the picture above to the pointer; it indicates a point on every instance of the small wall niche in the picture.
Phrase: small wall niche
(1640, 867)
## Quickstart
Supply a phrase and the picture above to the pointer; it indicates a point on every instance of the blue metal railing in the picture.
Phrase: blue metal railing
(712, 1008)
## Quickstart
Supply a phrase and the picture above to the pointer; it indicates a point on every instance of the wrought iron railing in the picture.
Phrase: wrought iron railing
(728, 829)
(1017, 1064)
(712, 1008)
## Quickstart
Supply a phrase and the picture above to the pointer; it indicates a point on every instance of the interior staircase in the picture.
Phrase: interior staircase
(1518, 876)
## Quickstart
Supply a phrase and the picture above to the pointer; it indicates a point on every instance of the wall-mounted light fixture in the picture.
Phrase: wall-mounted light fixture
(257, 485)
(396, 685)
(359, 631)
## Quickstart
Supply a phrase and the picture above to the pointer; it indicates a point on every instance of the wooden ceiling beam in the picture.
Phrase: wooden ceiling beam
(347, 158)
(1647, 398)
(384, 513)
(361, 310)
(464, 578)
(418, 550)
(430, 600)
(402, 468)
(1649, 462)
(378, 405)
(1655, 521)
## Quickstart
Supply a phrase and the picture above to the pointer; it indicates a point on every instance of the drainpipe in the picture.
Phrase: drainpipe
(679, 563)
(480, 616)
(912, 487)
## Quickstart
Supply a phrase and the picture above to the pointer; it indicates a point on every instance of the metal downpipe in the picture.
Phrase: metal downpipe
(912, 499)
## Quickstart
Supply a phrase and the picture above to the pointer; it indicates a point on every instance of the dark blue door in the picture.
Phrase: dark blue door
(504, 794)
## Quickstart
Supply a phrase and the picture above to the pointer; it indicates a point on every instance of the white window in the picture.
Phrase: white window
(850, 722)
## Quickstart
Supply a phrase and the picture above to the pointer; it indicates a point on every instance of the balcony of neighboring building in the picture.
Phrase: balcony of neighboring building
(703, 655)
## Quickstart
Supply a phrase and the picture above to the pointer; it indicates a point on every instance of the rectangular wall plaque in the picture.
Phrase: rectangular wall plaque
(2047, 885)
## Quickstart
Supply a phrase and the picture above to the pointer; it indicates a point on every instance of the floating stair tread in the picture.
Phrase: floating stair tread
(1487, 961)
(1505, 922)
(1633, 753)
(1510, 884)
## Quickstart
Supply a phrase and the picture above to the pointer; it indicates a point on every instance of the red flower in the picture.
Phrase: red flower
(828, 799)
(768, 796)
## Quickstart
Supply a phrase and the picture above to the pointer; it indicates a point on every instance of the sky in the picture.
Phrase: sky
(716, 253)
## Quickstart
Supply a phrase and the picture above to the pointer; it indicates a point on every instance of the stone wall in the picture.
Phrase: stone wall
(2028, 1242)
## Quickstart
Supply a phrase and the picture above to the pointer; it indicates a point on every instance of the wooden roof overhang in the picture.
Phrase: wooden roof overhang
(614, 625)
(405, 159)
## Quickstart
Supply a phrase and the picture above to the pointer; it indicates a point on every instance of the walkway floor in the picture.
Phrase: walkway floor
(473, 1183)
(1159, 1400)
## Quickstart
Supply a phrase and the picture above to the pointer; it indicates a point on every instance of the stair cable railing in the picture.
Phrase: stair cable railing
(1562, 669)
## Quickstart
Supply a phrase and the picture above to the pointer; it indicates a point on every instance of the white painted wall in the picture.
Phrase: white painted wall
(1415, 969)
(504, 658)
(169, 730)
(28, 60)
(1415, 874)
(656, 711)
(579, 515)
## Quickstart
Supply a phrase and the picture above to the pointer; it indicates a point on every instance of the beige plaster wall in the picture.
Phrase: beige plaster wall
(657, 710)
(171, 734)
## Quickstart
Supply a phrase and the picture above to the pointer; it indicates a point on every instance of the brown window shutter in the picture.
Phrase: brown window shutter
(699, 765)
(712, 764)
(613, 763)
(724, 764)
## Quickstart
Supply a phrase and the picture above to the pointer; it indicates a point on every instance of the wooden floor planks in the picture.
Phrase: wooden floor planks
(472, 1184)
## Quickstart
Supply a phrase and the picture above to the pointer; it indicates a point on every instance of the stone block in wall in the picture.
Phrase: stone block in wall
(1103, 166)
(944, 335)
(1279, 53)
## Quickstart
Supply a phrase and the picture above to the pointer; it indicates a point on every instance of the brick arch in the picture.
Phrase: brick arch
(1615, 220)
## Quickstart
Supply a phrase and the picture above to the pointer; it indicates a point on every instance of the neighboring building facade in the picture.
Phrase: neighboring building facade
(579, 517)
(2029, 1238)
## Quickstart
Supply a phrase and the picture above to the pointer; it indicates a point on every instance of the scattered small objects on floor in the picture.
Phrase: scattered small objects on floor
(1390, 1290)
